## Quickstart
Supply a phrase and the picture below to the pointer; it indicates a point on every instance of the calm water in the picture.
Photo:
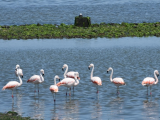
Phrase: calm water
(20, 12)
(133, 59)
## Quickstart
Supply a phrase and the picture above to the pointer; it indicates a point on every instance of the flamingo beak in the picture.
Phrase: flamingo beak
(78, 78)
(62, 69)
(22, 76)
(43, 74)
(16, 69)
(157, 75)
(89, 68)
(59, 80)
(107, 71)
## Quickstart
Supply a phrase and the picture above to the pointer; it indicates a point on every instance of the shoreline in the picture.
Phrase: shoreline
(107, 30)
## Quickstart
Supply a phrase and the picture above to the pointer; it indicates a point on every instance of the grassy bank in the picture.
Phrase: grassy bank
(12, 116)
(110, 30)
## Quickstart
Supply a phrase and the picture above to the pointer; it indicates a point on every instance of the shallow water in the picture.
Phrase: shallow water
(19, 12)
(133, 59)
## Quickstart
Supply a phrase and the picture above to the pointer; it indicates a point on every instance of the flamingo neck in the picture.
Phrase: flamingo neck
(92, 72)
(111, 75)
(54, 80)
(155, 78)
(76, 81)
(42, 79)
(65, 72)
(20, 80)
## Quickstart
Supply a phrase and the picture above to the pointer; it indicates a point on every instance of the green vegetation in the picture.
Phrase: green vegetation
(12, 116)
(110, 30)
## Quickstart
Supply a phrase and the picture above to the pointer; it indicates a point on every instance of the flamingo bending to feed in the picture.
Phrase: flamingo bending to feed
(54, 88)
(69, 82)
(117, 81)
(18, 71)
(13, 85)
(149, 81)
(37, 79)
(96, 80)
(69, 74)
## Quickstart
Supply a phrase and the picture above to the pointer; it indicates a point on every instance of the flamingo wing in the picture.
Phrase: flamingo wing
(71, 75)
(66, 82)
(11, 85)
(118, 81)
(34, 79)
(148, 81)
(96, 80)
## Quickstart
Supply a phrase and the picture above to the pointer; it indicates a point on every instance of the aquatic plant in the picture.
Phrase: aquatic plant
(12, 116)
(109, 30)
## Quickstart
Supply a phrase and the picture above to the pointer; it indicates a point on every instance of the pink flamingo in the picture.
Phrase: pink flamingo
(117, 81)
(95, 80)
(69, 74)
(18, 71)
(69, 82)
(149, 81)
(13, 85)
(54, 88)
(37, 79)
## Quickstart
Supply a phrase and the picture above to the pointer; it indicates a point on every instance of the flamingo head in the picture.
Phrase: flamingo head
(64, 66)
(76, 75)
(57, 77)
(42, 72)
(156, 72)
(109, 69)
(91, 65)
(17, 67)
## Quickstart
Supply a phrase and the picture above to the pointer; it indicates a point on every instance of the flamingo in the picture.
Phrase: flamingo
(37, 79)
(13, 85)
(54, 88)
(69, 82)
(95, 80)
(18, 71)
(117, 81)
(69, 74)
(149, 81)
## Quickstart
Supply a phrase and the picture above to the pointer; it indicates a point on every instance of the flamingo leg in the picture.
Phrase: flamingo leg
(35, 88)
(150, 91)
(97, 90)
(12, 94)
(117, 89)
(70, 92)
(55, 97)
(38, 87)
(66, 91)
(147, 90)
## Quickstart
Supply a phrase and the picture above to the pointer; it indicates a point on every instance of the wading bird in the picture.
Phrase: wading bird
(54, 88)
(95, 80)
(69, 82)
(37, 79)
(13, 85)
(117, 81)
(149, 81)
(69, 74)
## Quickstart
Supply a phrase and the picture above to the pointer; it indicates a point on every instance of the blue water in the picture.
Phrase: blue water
(58, 11)
(133, 59)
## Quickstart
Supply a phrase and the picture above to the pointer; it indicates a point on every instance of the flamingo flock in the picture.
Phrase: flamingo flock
(71, 79)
